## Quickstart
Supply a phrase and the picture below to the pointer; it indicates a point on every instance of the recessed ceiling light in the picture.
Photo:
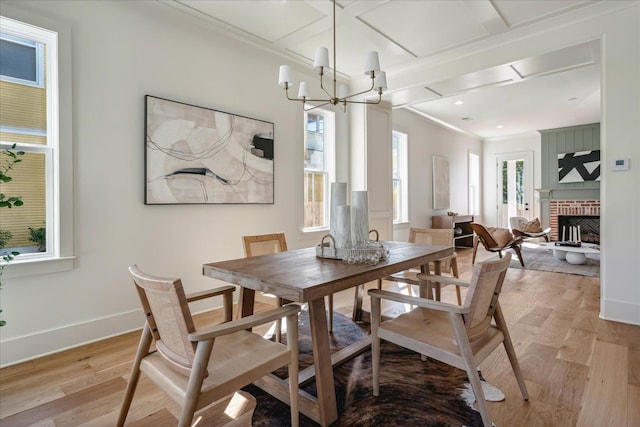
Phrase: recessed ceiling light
(459, 102)
(499, 126)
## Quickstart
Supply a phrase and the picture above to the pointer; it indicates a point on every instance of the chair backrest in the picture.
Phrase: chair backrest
(516, 222)
(264, 244)
(493, 238)
(431, 236)
(169, 318)
(484, 235)
(482, 296)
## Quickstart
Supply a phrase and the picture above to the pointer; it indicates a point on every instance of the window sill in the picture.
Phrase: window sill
(401, 225)
(34, 267)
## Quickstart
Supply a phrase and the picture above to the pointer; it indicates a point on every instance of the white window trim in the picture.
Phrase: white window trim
(330, 165)
(403, 172)
(59, 126)
(474, 193)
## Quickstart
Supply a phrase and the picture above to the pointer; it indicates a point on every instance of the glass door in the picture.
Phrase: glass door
(515, 187)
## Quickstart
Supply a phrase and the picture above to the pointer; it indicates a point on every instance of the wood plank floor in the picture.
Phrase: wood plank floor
(580, 370)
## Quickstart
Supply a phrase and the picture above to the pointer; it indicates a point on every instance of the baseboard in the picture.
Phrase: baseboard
(620, 311)
(29, 347)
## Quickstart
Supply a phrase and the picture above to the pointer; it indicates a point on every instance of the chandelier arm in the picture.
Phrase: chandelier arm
(325, 90)
(367, 102)
(316, 106)
(326, 101)
(286, 91)
(346, 98)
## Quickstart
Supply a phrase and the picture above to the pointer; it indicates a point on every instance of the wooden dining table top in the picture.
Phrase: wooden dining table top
(299, 275)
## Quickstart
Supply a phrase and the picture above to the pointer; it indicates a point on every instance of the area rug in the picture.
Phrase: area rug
(542, 259)
(412, 392)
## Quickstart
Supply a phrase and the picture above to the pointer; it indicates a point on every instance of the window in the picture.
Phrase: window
(400, 174)
(319, 149)
(474, 183)
(22, 60)
(30, 102)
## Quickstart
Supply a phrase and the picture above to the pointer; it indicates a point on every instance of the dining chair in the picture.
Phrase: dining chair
(448, 265)
(198, 368)
(521, 226)
(460, 336)
(495, 239)
(265, 244)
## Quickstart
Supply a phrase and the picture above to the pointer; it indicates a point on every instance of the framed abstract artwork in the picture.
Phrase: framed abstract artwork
(197, 155)
(579, 166)
(440, 183)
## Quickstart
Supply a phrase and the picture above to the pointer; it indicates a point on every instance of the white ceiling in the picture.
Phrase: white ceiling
(554, 89)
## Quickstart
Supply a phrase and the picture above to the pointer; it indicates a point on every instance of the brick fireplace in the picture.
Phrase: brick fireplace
(575, 212)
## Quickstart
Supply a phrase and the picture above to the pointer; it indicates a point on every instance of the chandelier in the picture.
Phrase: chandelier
(339, 96)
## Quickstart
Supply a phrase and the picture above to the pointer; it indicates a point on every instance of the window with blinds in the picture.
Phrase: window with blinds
(319, 146)
(25, 105)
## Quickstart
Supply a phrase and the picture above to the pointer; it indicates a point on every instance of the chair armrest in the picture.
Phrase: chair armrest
(196, 296)
(420, 302)
(442, 279)
(245, 323)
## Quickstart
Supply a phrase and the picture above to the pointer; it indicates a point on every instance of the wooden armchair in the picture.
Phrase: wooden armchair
(522, 227)
(461, 336)
(495, 240)
(448, 265)
(200, 367)
(265, 244)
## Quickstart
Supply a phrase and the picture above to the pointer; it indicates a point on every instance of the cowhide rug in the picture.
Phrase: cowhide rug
(412, 392)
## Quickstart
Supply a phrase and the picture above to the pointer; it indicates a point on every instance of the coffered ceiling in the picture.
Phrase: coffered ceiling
(553, 89)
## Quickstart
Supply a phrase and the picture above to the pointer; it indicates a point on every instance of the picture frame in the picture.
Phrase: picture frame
(198, 155)
(441, 183)
(579, 166)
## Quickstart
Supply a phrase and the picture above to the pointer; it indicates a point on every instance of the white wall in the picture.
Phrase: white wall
(121, 52)
(620, 197)
(491, 148)
(425, 140)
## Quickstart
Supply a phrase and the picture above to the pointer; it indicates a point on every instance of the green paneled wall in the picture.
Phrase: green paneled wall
(568, 140)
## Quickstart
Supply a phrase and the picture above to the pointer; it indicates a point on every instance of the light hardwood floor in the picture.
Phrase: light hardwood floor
(580, 370)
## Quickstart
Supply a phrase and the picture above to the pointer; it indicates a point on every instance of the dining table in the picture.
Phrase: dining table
(303, 277)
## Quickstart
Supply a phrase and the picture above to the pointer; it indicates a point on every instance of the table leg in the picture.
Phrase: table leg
(437, 271)
(322, 360)
(426, 290)
(575, 258)
(246, 301)
(357, 303)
